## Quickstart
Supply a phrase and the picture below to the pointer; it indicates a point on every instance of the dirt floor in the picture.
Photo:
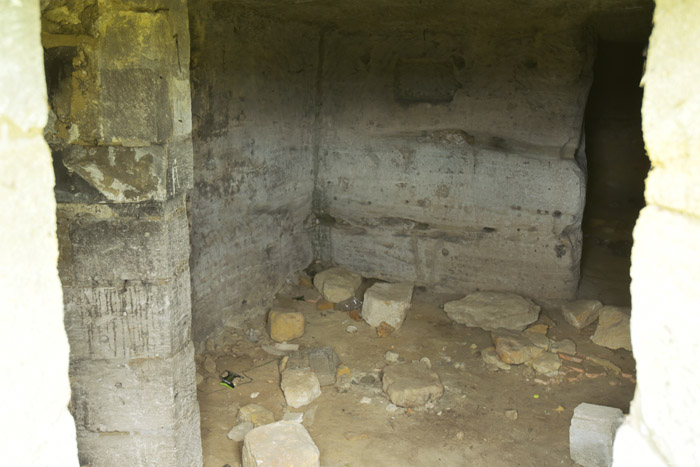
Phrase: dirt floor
(467, 426)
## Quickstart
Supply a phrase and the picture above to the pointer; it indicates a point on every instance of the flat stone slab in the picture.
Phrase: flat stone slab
(613, 329)
(493, 310)
(322, 360)
(581, 313)
(387, 303)
(284, 325)
(515, 347)
(592, 433)
(255, 414)
(280, 444)
(300, 387)
(411, 384)
(337, 284)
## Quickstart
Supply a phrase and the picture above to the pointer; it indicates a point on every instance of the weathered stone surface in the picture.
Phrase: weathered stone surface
(566, 346)
(300, 387)
(387, 303)
(322, 360)
(285, 325)
(337, 284)
(613, 329)
(411, 384)
(280, 444)
(493, 310)
(581, 313)
(515, 347)
(592, 433)
(491, 358)
(238, 432)
(547, 364)
(255, 414)
(538, 339)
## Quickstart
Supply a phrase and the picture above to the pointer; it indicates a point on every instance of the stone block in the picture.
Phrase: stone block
(337, 284)
(613, 329)
(300, 387)
(280, 444)
(387, 303)
(581, 313)
(178, 445)
(285, 325)
(137, 320)
(133, 395)
(411, 384)
(321, 360)
(517, 347)
(592, 433)
(255, 414)
(493, 310)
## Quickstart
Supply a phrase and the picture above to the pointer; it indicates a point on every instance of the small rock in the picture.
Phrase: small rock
(426, 361)
(255, 414)
(511, 414)
(391, 408)
(566, 346)
(581, 313)
(322, 360)
(252, 335)
(293, 417)
(300, 387)
(356, 315)
(337, 284)
(460, 436)
(491, 358)
(239, 431)
(613, 329)
(493, 310)
(387, 303)
(285, 325)
(343, 377)
(351, 329)
(254, 395)
(280, 443)
(411, 384)
(473, 347)
(272, 350)
(324, 305)
(547, 364)
(538, 328)
(391, 357)
(210, 364)
(310, 416)
(285, 347)
(515, 347)
(538, 339)
(366, 400)
(384, 330)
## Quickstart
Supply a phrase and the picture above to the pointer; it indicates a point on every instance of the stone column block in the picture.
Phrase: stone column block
(592, 433)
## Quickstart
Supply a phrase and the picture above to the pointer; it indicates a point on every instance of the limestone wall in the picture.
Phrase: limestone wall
(661, 429)
(447, 157)
(120, 132)
(253, 84)
(36, 425)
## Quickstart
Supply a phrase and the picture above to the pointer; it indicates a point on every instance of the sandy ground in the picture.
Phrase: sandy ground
(467, 426)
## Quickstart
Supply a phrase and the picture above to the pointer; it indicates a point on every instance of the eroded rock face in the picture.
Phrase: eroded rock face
(411, 384)
(493, 310)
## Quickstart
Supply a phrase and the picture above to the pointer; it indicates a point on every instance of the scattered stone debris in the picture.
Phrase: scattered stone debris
(491, 358)
(322, 360)
(300, 387)
(255, 414)
(592, 433)
(581, 313)
(515, 347)
(566, 346)
(511, 414)
(391, 357)
(493, 310)
(384, 330)
(285, 325)
(613, 329)
(411, 384)
(387, 303)
(238, 432)
(547, 364)
(337, 284)
(280, 443)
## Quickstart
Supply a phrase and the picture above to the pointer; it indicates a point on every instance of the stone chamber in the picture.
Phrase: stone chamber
(174, 169)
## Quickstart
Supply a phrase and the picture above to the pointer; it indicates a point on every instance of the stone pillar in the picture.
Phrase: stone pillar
(120, 132)
(662, 428)
(36, 425)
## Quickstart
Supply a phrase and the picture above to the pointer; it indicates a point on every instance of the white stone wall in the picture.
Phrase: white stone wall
(36, 427)
(662, 428)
